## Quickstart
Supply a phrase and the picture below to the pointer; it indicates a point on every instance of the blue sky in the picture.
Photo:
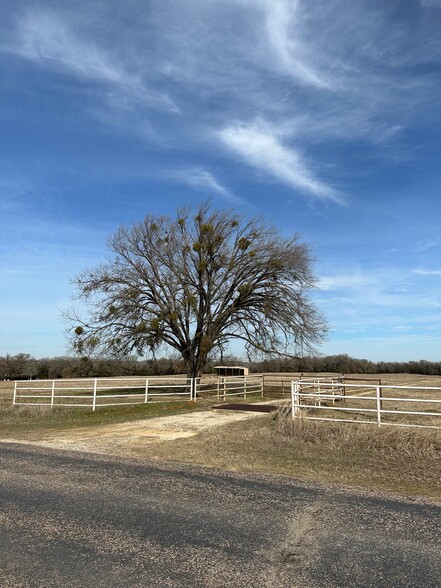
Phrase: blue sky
(324, 117)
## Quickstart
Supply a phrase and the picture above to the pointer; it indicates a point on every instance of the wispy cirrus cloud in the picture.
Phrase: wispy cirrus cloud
(378, 300)
(352, 281)
(260, 147)
(200, 178)
(284, 53)
(427, 272)
(281, 20)
(46, 38)
(205, 180)
(231, 65)
(431, 3)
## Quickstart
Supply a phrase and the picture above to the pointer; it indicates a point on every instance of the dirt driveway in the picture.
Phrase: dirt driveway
(129, 438)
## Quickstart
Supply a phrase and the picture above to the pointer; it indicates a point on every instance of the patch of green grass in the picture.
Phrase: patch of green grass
(26, 421)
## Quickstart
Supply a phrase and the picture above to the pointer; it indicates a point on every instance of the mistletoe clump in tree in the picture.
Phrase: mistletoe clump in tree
(195, 282)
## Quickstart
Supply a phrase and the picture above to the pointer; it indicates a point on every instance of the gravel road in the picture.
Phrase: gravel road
(72, 520)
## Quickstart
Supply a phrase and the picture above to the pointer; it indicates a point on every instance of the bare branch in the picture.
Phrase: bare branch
(196, 281)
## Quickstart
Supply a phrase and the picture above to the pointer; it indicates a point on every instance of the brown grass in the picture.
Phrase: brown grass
(405, 444)
(403, 461)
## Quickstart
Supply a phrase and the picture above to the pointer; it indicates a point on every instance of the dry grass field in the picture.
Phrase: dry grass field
(401, 461)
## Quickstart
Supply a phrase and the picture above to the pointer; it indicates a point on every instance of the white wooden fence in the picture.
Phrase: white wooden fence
(222, 387)
(405, 406)
(99, 392)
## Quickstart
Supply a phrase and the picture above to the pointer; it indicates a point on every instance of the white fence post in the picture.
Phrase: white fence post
(218, 387)
(245, 388)
(94, 394)
(193, 388)
(378, 395)
(294, 398)
(52, 393)
(224, 380)
(146, 390)
(15, 393)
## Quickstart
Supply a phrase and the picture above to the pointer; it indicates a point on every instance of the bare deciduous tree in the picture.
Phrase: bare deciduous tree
(21, 365)
(195, 282)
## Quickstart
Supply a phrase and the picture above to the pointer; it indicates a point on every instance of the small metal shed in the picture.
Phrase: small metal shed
(231, 370)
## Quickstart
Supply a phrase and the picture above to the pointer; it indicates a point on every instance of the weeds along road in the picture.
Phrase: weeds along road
(75, 520)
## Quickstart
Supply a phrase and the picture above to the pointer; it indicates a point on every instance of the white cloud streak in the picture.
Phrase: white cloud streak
(271, 156)
(46, 38)
(351, 281)
(203, 179)
(426, 272)
(372, 302)
(200, 178)
(284, 31)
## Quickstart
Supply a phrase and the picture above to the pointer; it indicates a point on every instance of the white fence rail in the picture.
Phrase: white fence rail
(222, 387)
(279, 384)
(411, 406)
(98, 392)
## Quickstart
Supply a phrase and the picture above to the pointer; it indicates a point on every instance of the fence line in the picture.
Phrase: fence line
(99, 392)
(96, 392)
(370, 401)
(224, 386)
(279, 384)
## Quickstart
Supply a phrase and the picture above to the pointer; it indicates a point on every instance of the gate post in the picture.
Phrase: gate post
(294, 398)
(378, 395)
(94, 394)
(193, 388)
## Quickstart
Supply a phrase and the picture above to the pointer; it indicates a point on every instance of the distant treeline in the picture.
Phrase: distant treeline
(344, 364)
(24, 366)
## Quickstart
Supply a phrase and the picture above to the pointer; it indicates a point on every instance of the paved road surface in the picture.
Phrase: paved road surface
(71, 520)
